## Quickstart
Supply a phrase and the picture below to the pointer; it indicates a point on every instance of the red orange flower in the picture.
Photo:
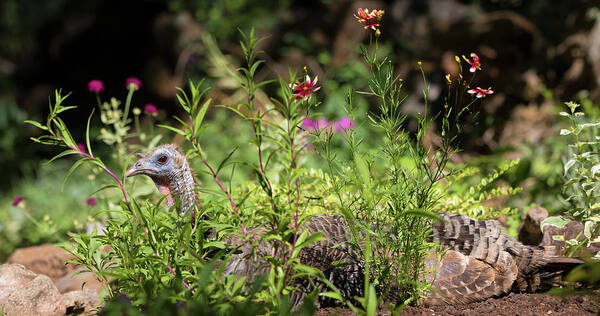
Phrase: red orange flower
(370, 20)
(475, 64)
(303, 91)
(481, 92)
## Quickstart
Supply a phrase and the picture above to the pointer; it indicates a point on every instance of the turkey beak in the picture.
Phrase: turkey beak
(137, 168)
(134, 170)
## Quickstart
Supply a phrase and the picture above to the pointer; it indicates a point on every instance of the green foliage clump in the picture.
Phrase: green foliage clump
(465, 198)
(581, 173)
(388, 195)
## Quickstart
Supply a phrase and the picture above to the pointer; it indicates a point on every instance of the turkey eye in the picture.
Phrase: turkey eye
(162, 159)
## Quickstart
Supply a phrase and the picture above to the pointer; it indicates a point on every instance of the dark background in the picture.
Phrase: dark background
(534, 52)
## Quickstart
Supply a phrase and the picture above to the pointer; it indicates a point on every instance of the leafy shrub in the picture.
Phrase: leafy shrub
(156, 256)
(581, 172)
(468, 198)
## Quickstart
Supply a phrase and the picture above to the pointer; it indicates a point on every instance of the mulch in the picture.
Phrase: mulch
(511, 304)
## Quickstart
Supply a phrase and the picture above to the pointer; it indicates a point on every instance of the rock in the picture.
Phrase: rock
(45, 259)
(81, 302)
(570, 231)
(25, 293)
(530, 232)
(84, 280)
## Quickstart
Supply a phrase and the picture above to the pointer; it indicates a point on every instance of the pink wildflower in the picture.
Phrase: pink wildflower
(308, 124)
(481, 92)
(303, 91)
(322, 123)
(91, 202)
(370, 20)
(17, 200)
(150, 109)
(133, 83)
(312, 125)
(95, 86)
(344, 123)
(475, 64)
(81, 147)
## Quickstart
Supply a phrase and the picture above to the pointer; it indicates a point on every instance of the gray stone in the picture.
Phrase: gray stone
(24, 293)
(81, 302)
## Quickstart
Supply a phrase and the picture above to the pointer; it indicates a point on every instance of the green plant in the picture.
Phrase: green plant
(466, 197)
(581, 172)
(160, 258)
(390, 209)
(156, 252)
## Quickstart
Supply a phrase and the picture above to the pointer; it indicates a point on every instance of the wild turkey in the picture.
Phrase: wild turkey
(481, 261)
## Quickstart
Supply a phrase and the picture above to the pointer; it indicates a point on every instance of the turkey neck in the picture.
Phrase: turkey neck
(179, 184)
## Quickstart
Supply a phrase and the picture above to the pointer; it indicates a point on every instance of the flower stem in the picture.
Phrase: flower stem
(127, 104)
(226, 193)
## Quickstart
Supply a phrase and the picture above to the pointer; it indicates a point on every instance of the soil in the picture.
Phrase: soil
(512, 304)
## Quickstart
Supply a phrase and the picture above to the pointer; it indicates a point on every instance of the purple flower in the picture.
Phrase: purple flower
(150, 109)
(312, 125)
(17, 200)
(133, 83)
(81, 147)
(91, 202)
(322, 123)
(95, 86)
(308, 124)
(344, 123)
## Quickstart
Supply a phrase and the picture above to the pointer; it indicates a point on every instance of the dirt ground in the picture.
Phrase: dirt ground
(512, 304)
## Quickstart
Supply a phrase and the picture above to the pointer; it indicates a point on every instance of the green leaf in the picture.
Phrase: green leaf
(572, 242)
(371, 301)
(587, 229)
(65, 108)
(182, 122)
(556, 221)
(176, 130)
(595, 169)
(71, 170)
(569, 164)
(226, 159)
(201, 113)
(87, 134)
(304, 241)
(424, 213)
(36, 124)
(62, 154)
(363, 170)
(242, 115)
(333, 295)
